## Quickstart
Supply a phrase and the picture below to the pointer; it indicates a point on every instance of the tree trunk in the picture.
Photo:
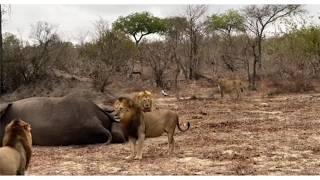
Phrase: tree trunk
(1, 56)
(259, 56)
(191, 54)
(254, 69)
(254, 75)
(248, 69)
(195, 58)
(159, 82)
(191, 62)
(176, 82)
(159, 79)
(190, 70)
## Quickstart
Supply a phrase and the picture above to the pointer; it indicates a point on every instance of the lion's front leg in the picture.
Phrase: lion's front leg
(140, 146)
(132, 142)
(141, 138)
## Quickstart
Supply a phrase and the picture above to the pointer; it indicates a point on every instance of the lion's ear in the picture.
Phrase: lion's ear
(116, 102)
(148, 92)
(27, 127)
(16, 123)
(140, 93)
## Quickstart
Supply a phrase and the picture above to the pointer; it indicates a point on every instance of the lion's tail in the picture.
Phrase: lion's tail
(182, 130)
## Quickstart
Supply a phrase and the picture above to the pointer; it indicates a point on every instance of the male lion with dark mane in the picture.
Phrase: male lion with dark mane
(144, 99)
(132, 118)
(16, 151)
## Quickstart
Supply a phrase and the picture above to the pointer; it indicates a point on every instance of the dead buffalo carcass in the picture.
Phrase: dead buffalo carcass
(68, 120)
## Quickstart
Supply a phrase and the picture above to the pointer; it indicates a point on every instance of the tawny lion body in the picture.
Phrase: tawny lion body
(16, 151)
(158, 122)
(231, 86)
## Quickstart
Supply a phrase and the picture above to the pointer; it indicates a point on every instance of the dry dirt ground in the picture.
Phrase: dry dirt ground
(254, 136)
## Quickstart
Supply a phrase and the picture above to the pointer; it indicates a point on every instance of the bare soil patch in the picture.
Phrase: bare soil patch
(254, 136)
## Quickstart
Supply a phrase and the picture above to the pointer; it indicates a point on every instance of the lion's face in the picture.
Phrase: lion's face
(122, 108)
(21, 127)
(144, 99)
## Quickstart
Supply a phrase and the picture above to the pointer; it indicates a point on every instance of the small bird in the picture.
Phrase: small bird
(164, 93)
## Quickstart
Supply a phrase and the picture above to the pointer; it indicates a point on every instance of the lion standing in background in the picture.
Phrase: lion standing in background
(230, 86)
(144, 99)
(16, 151)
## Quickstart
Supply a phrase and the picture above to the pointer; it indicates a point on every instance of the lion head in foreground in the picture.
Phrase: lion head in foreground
(126, 109)
(16, 151)
(144, 99)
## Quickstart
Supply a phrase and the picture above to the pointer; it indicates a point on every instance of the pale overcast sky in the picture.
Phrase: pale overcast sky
(76, 20)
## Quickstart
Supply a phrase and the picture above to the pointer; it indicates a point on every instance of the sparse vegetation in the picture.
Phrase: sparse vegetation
(249, 132)
(190, 47)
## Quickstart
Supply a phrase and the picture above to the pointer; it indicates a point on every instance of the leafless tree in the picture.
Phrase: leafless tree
(112, 50)
(194, 15)
(83, 37)
(38, 55)
(259, 17)
(175, 38)
(1, 55)
(3, 10)
(157, 55)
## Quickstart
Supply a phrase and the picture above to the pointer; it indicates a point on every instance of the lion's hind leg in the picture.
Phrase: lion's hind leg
(171, 141)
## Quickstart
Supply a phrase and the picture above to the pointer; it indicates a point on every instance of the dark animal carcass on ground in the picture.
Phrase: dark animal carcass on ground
(68, 120)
